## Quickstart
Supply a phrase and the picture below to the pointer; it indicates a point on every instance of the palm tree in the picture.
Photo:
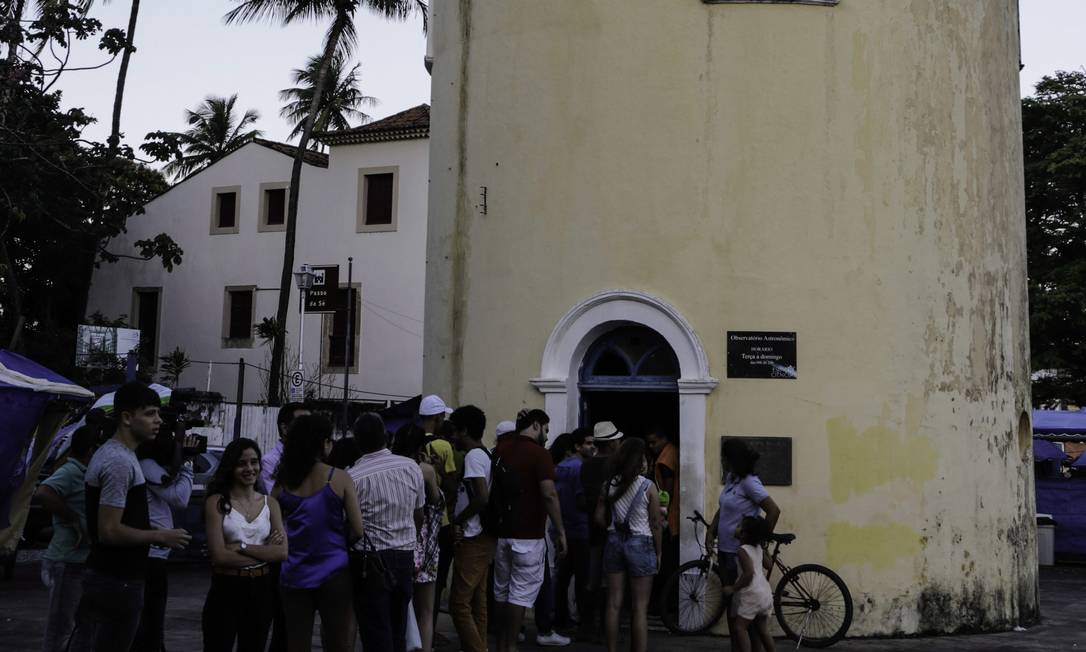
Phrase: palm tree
(340, 39)
(339, 104)
(215, 131)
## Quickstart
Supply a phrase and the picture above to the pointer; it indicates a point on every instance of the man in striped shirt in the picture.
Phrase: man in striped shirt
(391, 494)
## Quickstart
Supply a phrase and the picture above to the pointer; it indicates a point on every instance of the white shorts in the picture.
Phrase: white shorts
(518, 570)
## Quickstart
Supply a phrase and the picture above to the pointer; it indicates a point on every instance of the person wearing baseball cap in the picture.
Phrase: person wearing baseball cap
(607, 438)
(432, 414)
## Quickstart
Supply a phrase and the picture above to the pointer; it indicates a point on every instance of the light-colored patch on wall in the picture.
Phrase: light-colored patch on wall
(862, 461)
(880, 546)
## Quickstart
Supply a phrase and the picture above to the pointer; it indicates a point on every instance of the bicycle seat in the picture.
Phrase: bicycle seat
(783, 539)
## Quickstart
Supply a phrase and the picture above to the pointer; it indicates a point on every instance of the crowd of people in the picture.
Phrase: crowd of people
(368, 530)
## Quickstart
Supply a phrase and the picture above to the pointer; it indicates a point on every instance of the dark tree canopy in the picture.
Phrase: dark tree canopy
(1054, 138)
(63, 198)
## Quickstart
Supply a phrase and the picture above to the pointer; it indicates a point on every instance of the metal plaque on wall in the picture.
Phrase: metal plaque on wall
(774, 465)
(761, 354)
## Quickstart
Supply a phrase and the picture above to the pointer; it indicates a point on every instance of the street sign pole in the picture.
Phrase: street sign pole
(347, 343)
(301, 326)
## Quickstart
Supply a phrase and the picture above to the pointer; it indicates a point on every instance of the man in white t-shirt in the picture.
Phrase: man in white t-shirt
(475, 547)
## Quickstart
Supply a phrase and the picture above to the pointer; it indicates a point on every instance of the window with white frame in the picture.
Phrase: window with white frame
(378, 201)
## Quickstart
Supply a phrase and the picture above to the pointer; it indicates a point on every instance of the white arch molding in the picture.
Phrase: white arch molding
(606, 311)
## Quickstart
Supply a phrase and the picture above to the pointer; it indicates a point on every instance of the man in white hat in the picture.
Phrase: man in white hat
(607, 438)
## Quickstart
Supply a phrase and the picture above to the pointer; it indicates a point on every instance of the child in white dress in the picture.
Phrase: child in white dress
(752, 597)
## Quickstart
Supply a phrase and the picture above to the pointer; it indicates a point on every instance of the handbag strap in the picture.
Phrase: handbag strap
(640, 492)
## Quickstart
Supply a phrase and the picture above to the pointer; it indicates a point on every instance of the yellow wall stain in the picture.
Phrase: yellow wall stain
(859, 462)
(880, 546)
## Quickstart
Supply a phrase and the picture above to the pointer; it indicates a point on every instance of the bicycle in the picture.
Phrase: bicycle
(811, 602)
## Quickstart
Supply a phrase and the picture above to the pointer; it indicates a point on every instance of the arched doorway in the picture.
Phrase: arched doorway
(630, 377)
(583, 326)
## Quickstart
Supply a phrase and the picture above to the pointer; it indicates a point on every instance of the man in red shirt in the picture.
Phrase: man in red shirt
(524, 480)
(666, 474)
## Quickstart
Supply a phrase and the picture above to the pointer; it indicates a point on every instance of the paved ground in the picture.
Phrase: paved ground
(1063, 600)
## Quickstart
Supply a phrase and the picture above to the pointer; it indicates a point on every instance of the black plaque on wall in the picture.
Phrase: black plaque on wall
(761, 354)
(775, 459)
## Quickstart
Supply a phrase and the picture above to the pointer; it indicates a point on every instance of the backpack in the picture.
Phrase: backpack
(501, 515)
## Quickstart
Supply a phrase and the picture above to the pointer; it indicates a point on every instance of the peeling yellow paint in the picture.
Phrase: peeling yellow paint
(859, 462)
(880, 546)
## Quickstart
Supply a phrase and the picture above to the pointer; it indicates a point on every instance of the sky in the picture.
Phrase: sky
(185, 52)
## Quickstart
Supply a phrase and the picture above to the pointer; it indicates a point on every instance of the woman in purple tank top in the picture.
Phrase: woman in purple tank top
(322, 518)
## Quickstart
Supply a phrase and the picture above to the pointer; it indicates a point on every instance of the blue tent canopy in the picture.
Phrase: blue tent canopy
(26, 388)
(1046, 451)
(1059, 422)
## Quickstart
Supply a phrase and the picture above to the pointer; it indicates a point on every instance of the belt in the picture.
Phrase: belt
(251, 571)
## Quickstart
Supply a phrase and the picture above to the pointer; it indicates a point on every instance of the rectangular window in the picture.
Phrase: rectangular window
(275, 199)
(227, 215)
(238, 317)
(273, 207)
(377, 199)
(146, 312)
(335, 327)
(225, 209)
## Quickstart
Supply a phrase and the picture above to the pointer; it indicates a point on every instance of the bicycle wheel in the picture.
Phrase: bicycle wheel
(813, 606)
(693, 599)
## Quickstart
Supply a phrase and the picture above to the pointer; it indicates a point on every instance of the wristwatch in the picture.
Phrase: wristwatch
(241, 546)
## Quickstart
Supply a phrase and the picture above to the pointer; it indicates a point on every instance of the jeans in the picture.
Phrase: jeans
(574, 566)
(381, 602)
(238, 609)
(150, 634)
(279, 619)
(634, 555)
(108, 613)
(332, 600)
(65, 583)
(467, 598)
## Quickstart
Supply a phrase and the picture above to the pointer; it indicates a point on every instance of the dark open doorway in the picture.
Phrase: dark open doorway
(629, 376)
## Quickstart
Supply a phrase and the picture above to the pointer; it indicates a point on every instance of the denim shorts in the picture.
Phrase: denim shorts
(635, 555)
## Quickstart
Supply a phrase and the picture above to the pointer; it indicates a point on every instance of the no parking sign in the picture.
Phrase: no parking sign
(297, 380)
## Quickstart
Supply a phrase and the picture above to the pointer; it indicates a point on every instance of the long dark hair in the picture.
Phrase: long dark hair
(345, 452)
(303, 449)
(625, 466)
(560, 447)
(223, 478)
(741, 459)
(755, 531)
(409, 442)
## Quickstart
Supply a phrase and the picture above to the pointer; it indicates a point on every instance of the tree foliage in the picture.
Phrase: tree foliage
(63, 198)
(339, 105)
(215, 130)
(1054, 139)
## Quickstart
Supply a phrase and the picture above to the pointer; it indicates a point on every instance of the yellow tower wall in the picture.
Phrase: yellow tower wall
(852, 173)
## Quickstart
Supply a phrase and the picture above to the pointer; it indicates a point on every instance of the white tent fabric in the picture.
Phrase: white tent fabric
(16, 379)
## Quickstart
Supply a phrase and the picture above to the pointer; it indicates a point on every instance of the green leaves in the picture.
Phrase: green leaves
(1054, 145)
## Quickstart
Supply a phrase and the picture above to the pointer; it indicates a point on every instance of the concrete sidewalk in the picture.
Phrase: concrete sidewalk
(1063, 602)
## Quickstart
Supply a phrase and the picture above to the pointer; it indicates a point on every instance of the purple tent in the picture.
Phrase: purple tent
(1059, 422)
(26, 389)
(1046, 451)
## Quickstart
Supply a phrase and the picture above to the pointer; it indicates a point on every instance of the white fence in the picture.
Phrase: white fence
(257, 423)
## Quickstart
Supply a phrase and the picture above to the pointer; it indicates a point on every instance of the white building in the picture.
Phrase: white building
(367, 198)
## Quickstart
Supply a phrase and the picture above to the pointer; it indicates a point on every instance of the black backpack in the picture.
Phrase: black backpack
(501, 516)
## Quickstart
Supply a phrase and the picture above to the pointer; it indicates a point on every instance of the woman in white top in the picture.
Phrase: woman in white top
(244, 534)
(630, 509)
(752, 597)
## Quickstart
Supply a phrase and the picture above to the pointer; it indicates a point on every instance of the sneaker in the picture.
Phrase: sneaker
(521, 637)
(554, 639)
